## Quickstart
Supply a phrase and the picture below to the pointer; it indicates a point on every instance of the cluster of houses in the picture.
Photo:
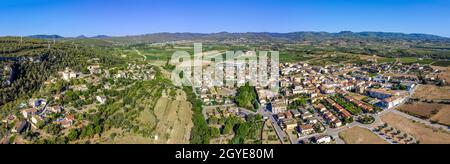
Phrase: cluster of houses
(211, 95)
(34, 115)
(230, 75)
(317, 82)
(328, 116)
(68, 74)
(224, 112)
(301, 120)
(36, 110)
(133, 71)
(6, 75)
(341, 110)
(136, 72)
(365, 107)
(40, 110)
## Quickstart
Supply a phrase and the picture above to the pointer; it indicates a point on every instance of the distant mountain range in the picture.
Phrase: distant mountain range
(45, 36)
(260, 36)
(280, 37)
(61, 37)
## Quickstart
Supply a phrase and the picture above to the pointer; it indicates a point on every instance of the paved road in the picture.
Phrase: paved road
(278, 130)
(246, 111)
(338, 140)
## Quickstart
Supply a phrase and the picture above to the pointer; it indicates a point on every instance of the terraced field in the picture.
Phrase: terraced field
(174, 120)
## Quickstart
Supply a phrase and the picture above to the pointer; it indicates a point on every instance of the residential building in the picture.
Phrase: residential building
(28, 112)
(295, 113)
(101, 99)
(279, 106)
(306, 129)
(336, 123)
(393, 101)
(281, 116)
(312, 120)
(289, 123)
(323, 140)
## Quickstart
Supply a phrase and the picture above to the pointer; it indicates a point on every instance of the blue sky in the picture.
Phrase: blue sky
(131, 17)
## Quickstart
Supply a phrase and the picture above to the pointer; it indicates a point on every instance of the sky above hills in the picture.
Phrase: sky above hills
(132, 17)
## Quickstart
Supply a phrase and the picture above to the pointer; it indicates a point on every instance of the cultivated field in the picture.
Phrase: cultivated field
(359, 135)
(423, 133)
(422, 110)
(133, 139)
(442, 63)
(124, 138)
(174, 121)
(269, 135)
(443, 116)
(432, 92)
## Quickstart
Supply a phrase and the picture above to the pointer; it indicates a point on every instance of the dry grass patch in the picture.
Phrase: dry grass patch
(432, 92)
(423, 133)
(443, 116)
(445, 73)
(422, 110)
(359, 135)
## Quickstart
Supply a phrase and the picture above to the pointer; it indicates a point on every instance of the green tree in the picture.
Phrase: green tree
(73, 134)
(215, 132)
(246, 97)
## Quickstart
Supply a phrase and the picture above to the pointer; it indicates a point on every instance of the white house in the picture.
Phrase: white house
(323, 140)
(101, 99)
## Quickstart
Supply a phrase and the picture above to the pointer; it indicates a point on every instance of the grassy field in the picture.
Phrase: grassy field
(133, 139)
(293, 57)
(425, 134)
(170, 122)
(422, 110)
(432, 92)
(359, 135)
(408, 60)
(426, 61)
(339, 58)
(442, 63)
(385, 60)
(405, 60)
